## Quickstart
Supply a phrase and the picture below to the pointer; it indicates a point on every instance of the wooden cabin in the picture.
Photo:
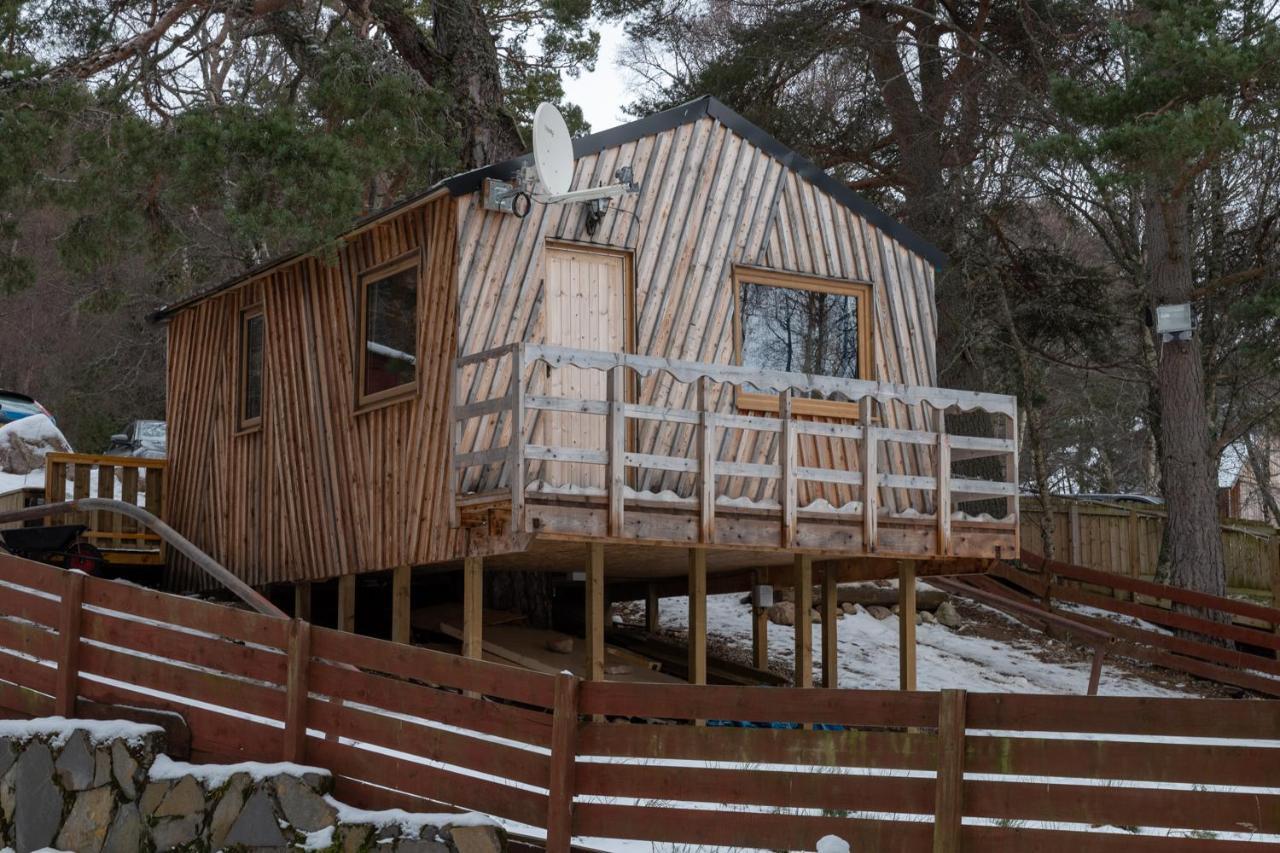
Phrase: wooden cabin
(731, 370)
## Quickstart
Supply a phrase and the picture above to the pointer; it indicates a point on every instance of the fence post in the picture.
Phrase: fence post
(949, 791)
(564, 749)
(68, 683)
(295, 721)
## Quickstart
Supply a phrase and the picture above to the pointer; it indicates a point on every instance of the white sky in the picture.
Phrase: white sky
(603, 92)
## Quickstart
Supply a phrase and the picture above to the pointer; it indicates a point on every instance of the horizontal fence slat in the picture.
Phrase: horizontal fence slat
(641, 411)
(29, 639)
(659, 463)
(222, 655)
(1206, 764)
(431, 742)
(893, 750)
(543, 403)
(1032, 840)
(187, 613)
(25, 604)
(828, 475)
(1113, 805)
(28, 573)
(456, 789)
(27, 673)
(508, 682)
(826, 791)
(540, 452)
(760, 704)
(1224, 718)
(212, 688)
(750, 829)
(442, 706)
(24, 701)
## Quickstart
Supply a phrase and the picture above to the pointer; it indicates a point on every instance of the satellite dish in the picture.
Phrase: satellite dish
(552, 150)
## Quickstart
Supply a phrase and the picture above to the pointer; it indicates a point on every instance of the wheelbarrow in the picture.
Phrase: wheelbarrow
(57, 545)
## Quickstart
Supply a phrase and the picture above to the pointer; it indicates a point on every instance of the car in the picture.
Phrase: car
(15, 407)
(141, 439)
(1117, 498)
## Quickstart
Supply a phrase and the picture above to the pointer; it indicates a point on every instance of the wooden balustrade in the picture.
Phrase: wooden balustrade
(140, 482)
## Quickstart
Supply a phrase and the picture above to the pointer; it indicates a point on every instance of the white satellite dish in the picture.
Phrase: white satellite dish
(552, 150)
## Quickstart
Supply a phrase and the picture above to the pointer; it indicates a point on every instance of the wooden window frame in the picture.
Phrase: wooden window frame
(246, 424)
(864, 291)
(415, 260)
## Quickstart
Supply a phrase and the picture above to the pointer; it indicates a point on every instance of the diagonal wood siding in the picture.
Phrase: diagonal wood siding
(320, 489)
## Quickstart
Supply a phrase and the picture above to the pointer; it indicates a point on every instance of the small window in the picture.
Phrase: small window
(389, 332)
(252, 342)
(800, 324)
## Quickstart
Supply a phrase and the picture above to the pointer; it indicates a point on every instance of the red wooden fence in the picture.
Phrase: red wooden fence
(897, 771)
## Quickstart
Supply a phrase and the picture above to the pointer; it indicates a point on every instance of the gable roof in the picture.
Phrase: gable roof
(705, 106)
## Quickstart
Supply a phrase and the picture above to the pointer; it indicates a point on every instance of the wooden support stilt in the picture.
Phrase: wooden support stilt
(473, 607)
(302, 600)
(759, 630)
(347, 603)
(804, 620)
(830, 611)
(906, 625)
(400, 603)
(697, 616)
(595, 612)
(652, 610)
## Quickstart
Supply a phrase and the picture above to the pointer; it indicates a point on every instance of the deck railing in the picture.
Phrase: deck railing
(673, 437)
(135, 481)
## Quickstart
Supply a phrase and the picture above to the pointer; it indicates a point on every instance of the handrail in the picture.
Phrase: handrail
(173, 538)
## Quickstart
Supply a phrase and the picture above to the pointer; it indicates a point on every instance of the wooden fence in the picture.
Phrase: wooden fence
(900, 771)
(1125, 540)
(135, 481)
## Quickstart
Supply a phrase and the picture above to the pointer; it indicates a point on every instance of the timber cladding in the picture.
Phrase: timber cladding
(322, 487)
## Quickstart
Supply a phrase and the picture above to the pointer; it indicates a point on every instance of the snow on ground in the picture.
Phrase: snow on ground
(945, 658)
(60, 728)
(217, 775)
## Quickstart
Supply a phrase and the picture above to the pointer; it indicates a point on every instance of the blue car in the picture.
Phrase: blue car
(15, 407)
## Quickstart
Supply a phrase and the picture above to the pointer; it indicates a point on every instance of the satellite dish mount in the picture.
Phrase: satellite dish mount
(549, 180)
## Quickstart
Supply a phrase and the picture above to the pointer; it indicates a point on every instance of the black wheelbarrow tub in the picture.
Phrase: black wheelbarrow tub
(41, 540)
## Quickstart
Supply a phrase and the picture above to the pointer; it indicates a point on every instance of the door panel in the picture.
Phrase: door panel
(586, 308)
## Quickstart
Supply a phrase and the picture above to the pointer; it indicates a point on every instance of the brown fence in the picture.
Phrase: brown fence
(883, 770)
(1125, 540)
(135, 481)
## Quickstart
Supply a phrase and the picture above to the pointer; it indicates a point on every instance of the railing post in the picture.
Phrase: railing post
(564, 749)
(949, 789)
(870, 485)
(455, 432)
(787, 461)
(943, 502)
(515, 448)
(616, 447)
(706, 466)
(68, 683)
(295, 721)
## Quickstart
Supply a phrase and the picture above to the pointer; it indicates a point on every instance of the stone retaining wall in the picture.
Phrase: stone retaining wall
(93, 787)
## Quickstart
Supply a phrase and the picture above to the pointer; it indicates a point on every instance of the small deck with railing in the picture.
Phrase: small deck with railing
(553, 443)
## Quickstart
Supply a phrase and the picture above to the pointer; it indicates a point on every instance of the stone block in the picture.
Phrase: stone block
(352, 838)
(102, 766)
(8, 755)
(257, 825)
(228, 809)
(37, 807)
(303, 808)
(477, 839)
(184, 798)
(127, 771)
(174, 832)
(75, 766)
(85, 829)
(153, 795)
(125, 835)
(418, 845)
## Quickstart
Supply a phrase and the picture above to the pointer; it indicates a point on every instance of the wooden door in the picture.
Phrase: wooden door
(585, 308)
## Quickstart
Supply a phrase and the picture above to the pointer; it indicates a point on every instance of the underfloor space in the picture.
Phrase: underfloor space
(988, 652)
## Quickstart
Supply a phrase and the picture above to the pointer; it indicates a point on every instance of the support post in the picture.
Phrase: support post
(697, 616)
(706, 467)
(617, 446)
(515, 447)
(347, 603)
(787, 463)
(803, 576)
(870, 481)
(295, 721)
(759, 629)
(652, 609)
(1095, 671)
(942, 503)
(67, 685)
(906, 625)
(564, 747)
(302, 600)
(401, 586)
(595, 612)
(830, 612)
(949, 791)
(473, 607)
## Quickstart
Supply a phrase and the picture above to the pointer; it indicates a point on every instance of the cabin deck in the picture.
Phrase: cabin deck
(642, 451)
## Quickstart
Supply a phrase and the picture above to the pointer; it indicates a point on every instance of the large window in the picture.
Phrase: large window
(802, 324)
(389, 331)
(252, 345)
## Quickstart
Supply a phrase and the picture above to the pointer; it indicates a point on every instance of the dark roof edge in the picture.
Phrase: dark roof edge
(469, 182)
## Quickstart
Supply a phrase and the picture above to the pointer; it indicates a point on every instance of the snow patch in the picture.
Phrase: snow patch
(832, 844)
(61, 728)
(217, 775)
(410, 823)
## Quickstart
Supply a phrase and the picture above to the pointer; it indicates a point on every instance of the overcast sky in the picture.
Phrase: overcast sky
(601, 93)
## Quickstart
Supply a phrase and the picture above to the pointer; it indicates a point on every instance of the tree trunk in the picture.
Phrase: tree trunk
(1187, 461)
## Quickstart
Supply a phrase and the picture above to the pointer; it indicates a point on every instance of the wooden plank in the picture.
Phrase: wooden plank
(906, 625)
(24, 604)
(595, 612)
(515, 443)
(652, 609)
(28, 573)
(294, 744)
(949, 802)
(759, 627)
(977, 837)
(187, 613)
(346, 620)
(803, 620)
(563, 782)
(28, 674)
(473, 607)
(869, 462)
(830, 632)
(302, 600)
(24, 701)
(707, 464)
(697, 616)
(1185, 718)
(67, 685)
(787, 465)
(28, 639)
(942, 499)
(429, 666)
(401, 604)
(616, 431)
